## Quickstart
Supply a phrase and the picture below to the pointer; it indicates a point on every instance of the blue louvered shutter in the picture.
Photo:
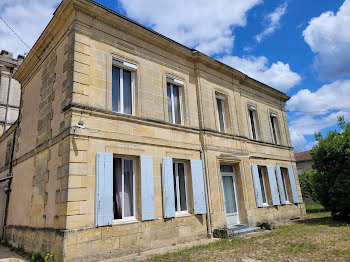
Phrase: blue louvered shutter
(257, 187)
(273, 186)
(198, 187)
(168, 187)
(147, 190)
(104, 189)
(280, 185)
(293, 185)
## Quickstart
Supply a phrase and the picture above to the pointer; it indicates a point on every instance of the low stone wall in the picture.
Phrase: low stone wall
(100, 243)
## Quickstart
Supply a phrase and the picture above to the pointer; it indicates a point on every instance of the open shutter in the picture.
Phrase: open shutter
(273, 186)
(104, 189)
(293, 185)
(147, 190)
(198, 187)
(257, 187)
(280, 185)
(168, 187)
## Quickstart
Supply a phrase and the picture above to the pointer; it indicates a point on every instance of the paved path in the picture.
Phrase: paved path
(5, 252)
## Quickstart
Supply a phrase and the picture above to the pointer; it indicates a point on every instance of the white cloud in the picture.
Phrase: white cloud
(28, 18)
(278, 75)
(273, 22)
(202, 24)
(317, 110)
(329, 38)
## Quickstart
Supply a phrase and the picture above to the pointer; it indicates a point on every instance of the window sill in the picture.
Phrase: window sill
(125, 221)
(183, 214)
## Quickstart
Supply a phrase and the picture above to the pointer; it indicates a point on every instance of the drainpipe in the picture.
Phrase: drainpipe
(206, 194)
(8, 191)
(8, 98)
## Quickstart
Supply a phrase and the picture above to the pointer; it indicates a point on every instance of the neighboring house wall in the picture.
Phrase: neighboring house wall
(53, 198)
(304, 166)
(7, 62)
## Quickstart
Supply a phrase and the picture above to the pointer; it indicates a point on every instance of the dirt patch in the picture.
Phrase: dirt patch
(6, 252)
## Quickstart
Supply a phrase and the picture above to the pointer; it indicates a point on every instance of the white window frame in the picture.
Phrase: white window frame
(178, 210)
(283, 173)
(134, 190)
(179, 84)
(273, 123)
(262, 174)
(254, 111)
(222, 103)
(123, 65)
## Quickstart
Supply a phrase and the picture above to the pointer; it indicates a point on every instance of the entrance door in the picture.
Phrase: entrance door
(230, 195)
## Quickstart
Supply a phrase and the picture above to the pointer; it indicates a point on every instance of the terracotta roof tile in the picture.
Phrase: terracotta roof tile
(302, 156)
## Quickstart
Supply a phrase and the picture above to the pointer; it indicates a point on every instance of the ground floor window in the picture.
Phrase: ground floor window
(180, 187)
(286, 184)
(124, 191)
(263, 184)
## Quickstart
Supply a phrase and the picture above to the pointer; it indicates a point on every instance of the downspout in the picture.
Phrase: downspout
(8, 191)
(8, 98)
(206, 195)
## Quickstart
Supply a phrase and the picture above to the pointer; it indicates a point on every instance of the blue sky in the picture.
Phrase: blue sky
(299, 47)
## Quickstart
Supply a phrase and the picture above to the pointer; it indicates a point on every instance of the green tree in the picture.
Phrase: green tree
(331, 181)
(306, 180)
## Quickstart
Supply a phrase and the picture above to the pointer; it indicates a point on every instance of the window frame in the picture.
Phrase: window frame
(123, 65)
(253, 110)
(130, 218)
(178, 211)
(180, 85)
(261, 172)
(274, 128)
(222, 104)
(285, 175)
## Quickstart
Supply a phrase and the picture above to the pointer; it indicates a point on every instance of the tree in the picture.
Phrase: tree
(306, 180)
(331, 181)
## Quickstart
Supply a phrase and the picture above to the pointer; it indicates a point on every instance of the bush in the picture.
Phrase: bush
(331, 181)
(307, 184)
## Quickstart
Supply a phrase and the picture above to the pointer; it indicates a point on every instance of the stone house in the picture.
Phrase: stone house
(128, 141)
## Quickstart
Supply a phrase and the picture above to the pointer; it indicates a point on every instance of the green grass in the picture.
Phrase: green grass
(318, 238)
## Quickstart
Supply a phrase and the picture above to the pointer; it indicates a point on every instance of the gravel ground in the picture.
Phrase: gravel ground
(5, 252)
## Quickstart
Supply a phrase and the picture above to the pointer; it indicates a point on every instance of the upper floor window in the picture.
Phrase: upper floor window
(274, 127)
(123, 87)
(220, 103)
(174, 94)
(253, 122)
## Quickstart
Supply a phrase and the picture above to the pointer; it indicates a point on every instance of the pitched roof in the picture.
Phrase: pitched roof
(303, 156)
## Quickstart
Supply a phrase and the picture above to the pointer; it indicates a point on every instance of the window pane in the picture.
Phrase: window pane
(226, 168)
(284, 185)
(229, 194)
(128, 189)
(219, 103)
(127, 91)
(182, 187)
(176, 93)
(252, 123)
(175, 187)
(262, 185)
(117, 188)
(115, 89)
(170, 110)
(274, 133)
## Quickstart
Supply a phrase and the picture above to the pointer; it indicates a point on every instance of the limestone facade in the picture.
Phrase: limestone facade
(66, 118)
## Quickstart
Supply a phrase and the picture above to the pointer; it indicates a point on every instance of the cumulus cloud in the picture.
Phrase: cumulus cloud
(273, 22)
(202, 24)
(28, 18)
(277, 75)
(329, 38)
(315, 111)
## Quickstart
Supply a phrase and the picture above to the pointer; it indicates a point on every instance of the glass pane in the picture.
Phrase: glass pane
(220, 114)
(262, 185)
(177, 104)
(175, 187)
(226, 168)
(182, 187)
(252, 123)
(170, 110)
(274, 133)
(117, 188)
(128, 189)
(229, 194)
(284, 185)
(115, 89)
(127, 91)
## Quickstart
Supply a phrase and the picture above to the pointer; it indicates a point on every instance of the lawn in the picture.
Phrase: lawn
(318, 238)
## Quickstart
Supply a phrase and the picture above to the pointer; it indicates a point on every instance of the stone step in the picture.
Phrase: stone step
(229, 233)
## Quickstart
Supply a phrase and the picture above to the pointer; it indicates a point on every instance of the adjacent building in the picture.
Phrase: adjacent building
(8, 64)
(304, 161)
(129, 141)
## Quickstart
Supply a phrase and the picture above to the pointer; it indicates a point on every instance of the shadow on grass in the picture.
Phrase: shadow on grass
(316, 210)
(327, 221)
